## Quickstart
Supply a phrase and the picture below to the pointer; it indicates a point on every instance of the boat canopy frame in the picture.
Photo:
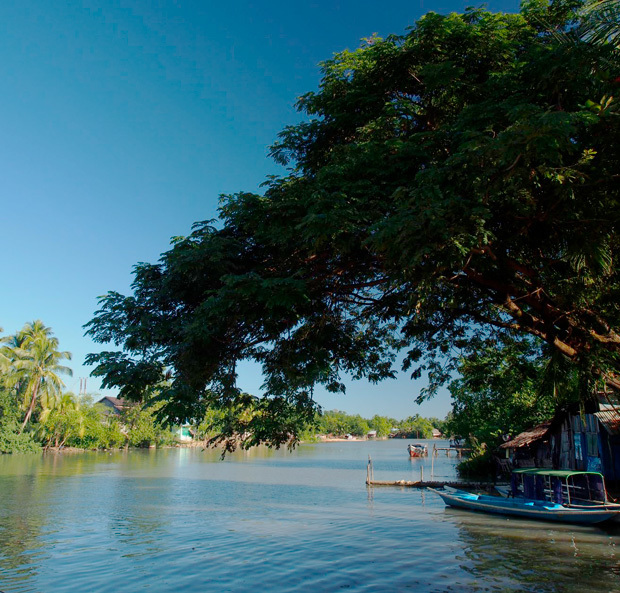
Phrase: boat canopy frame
(559, 486)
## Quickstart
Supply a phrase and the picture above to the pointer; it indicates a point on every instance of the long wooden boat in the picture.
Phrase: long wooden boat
(529, 509)
(417, 450)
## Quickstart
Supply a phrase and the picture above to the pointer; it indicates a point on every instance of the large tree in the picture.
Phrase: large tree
(458, 180)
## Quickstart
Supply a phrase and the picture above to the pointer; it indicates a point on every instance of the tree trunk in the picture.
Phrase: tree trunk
(33, 401)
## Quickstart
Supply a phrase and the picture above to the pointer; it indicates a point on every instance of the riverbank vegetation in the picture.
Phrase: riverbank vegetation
(339, 424)
(331, 423)
(36, 412)
(503, 389)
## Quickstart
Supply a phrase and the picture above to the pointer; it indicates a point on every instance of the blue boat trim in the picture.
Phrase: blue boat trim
(532, 509)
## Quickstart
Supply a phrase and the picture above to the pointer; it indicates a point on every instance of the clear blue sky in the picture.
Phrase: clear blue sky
(124, 120)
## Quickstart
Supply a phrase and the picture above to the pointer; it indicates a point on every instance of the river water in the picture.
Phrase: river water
(271, 521)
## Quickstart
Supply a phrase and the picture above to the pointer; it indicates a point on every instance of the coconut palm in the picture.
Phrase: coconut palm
(35, 367)
(602, 22)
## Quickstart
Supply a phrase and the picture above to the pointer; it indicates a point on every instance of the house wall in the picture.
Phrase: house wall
(580, 442)
(610, 456)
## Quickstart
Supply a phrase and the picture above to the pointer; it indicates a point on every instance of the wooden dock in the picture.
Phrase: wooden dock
(486, 486)
(421, 483)
(459, 450)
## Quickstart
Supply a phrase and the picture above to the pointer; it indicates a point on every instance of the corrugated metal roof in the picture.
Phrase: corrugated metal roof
(528, 437)
(609, 418)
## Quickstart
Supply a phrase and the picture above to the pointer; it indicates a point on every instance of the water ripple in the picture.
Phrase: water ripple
(170, 520)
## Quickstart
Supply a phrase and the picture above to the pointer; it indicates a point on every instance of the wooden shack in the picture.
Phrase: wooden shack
(575, 439)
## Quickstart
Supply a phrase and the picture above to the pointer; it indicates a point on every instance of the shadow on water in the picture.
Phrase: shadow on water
(520, 555)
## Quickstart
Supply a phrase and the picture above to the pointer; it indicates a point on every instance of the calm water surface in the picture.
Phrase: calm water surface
(181, 519)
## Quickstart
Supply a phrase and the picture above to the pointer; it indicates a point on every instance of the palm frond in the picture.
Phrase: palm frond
(601, 23)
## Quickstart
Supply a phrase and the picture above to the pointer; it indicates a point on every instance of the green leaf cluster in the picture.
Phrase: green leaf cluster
(14, 441)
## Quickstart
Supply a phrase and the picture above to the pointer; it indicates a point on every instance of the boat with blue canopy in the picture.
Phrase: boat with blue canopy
(550, 495)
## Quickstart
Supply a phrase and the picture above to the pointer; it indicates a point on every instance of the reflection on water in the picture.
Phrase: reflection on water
(534, 556)
(182, 518)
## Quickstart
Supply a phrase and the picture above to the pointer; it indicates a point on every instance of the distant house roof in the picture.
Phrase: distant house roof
(528, 437)
(115, 404)
(436, 433)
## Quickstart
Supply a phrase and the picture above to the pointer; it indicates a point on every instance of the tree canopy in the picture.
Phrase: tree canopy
(506, 387)
(446, 185)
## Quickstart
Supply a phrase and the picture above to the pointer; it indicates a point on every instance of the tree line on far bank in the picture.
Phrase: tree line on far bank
(338, 424)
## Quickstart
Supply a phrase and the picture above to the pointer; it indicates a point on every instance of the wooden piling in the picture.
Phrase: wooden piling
(370, 473)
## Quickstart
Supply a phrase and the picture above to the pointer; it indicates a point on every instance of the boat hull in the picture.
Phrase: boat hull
(417, 454)
(528, 509)
(417, 450)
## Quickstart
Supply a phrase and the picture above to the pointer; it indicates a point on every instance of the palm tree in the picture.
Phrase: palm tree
(34, 366)
(602, 22)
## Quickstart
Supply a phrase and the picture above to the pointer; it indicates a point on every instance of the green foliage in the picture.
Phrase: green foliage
(308, 434)
(440, 425)
(9, 404)
(460, 180)
(143, 429)
(63, 420)
(14, 441)
(602, 22)
(340, 424)
(211, 425)
(506, 387)
(98, 430)
(479, 464)
(416, 427)
(382, 425)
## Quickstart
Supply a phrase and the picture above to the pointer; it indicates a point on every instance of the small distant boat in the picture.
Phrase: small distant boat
(549, 495)
(417, 450)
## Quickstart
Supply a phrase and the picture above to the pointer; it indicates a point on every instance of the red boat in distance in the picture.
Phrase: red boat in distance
(417, 450)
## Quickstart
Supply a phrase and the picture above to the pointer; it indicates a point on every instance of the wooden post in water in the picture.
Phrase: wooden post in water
(370, 473)
(432, 466)
(421, 473)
